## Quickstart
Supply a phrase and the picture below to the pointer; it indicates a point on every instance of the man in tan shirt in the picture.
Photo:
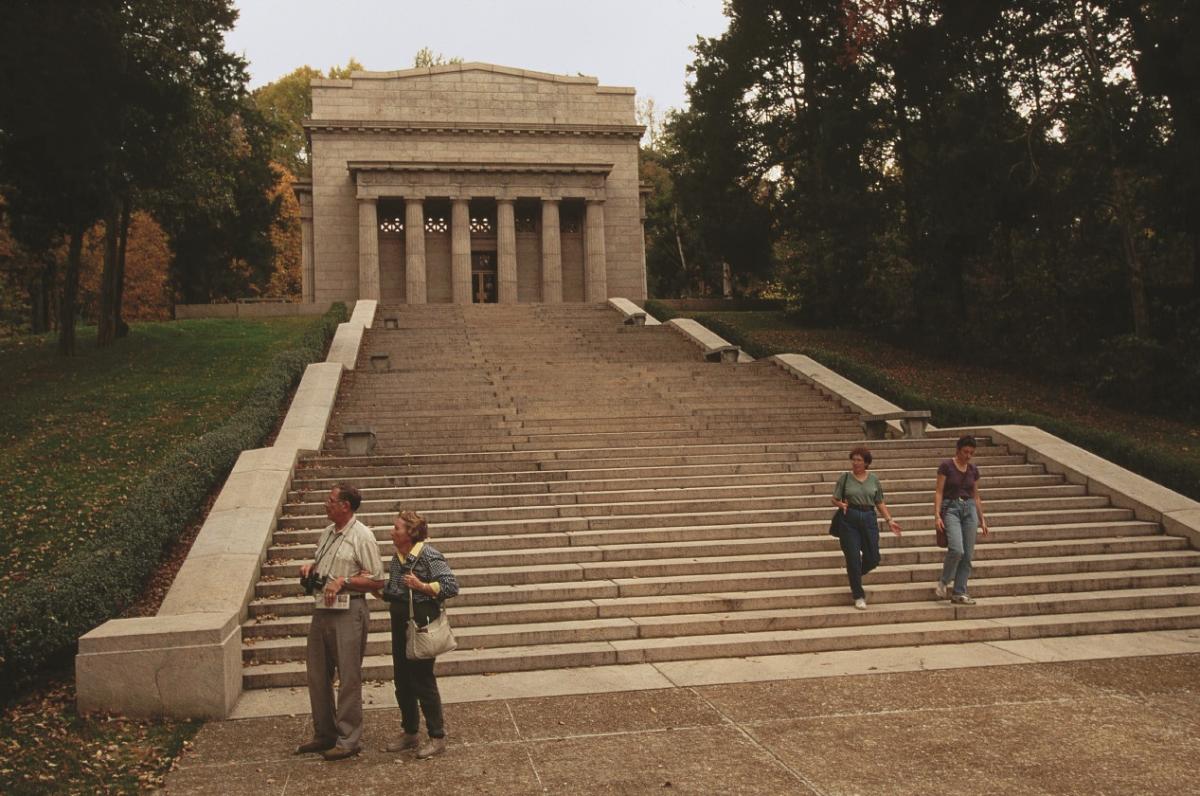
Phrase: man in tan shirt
(347, 563)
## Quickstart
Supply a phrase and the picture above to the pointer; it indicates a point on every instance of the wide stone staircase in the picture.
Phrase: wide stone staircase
(605, 496)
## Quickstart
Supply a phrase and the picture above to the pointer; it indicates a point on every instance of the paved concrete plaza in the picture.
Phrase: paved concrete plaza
(1115, 726)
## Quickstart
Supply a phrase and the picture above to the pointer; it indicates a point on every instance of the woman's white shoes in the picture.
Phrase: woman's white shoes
(434, 746)
(860, 604)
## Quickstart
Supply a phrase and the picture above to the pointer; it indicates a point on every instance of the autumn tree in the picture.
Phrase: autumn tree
(426, 57)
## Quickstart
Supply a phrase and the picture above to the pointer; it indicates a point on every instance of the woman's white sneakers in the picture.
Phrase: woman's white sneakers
(405, 743)
(434, 746)
(860, 603)
(940, 590)
(962, 599)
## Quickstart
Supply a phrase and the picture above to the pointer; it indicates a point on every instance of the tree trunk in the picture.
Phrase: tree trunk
(40, 294)
(122, 328)
(678, 239)
(70, 295)
(106, 329)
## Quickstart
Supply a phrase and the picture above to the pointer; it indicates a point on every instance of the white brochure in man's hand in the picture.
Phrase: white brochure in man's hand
(340, 602)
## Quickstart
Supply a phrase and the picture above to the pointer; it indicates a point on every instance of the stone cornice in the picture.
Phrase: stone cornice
(460, 167)
(633, 131)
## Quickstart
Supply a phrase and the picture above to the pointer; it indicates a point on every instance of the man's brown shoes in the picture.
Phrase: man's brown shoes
(339, 753)
(313, 746)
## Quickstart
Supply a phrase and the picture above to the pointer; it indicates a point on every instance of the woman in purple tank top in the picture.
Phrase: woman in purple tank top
(958, 512)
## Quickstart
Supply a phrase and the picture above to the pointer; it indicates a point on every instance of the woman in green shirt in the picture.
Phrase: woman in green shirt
(858, 494)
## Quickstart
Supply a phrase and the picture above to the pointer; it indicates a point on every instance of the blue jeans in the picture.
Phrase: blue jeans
(961, 524)
(860, 546)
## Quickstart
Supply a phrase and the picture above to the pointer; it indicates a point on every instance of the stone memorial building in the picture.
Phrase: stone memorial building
(472, 183)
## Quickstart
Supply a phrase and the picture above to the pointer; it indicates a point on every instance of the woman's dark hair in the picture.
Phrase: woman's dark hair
(965, 442)
(863, 451)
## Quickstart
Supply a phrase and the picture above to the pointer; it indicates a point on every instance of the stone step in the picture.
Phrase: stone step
(630, 515)
(590, 564)
(662, 497)
(794, 483)
(294, 619)
(306, 481)
(925, 609)
(961, 628)
(631, 544)
(828, 450)
(730, 525)
(275, 603)
(631, 464)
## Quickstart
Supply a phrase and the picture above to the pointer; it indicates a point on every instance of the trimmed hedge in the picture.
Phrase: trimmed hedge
(42, 620)
(1175, 473)
(660, 311)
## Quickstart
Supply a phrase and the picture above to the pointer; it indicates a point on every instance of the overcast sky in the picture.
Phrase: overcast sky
(639, 43)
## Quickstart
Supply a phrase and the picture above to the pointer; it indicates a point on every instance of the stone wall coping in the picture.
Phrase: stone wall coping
(186, 661)
(239, 310)
(1151, 502)
(628, 308)
(830, 383)
(345, 345)
(147, 632)
(311, 126)
(703, 337)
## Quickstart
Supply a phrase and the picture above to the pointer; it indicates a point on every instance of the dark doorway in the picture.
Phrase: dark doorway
(483, 277)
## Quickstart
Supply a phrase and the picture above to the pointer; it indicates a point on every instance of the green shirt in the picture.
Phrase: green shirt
(864, 494)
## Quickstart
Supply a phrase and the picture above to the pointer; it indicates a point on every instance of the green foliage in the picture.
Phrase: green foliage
(286, 103)
(117, 87)
(219, 213)
(42, 618)
(1026, 174)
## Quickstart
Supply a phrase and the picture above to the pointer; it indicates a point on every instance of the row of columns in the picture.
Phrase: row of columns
(595, 270)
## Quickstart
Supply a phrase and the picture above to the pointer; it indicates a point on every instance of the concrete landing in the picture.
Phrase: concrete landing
(293, 701)
(1113, 726)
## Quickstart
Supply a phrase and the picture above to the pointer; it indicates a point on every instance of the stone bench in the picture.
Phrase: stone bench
(913, 423)
(722, 353)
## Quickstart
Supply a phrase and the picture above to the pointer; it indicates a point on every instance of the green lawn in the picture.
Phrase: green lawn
(1171, 447)
(78, 433)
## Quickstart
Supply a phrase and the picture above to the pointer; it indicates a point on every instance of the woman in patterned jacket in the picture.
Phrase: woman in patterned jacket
(419, 567)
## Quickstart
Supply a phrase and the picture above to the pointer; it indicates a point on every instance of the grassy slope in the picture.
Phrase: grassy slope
(985, 387)
(78, 433)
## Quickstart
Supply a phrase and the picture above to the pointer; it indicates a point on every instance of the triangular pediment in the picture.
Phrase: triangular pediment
(458, 71)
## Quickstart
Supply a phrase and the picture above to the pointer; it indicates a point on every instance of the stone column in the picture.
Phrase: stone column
(307, 264)
(506, 252)
(551, 253)
(595, 269)
(414, 250)
(460, 251)
(368, 249)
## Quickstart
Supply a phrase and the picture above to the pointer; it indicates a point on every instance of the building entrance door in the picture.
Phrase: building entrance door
(483, 277)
